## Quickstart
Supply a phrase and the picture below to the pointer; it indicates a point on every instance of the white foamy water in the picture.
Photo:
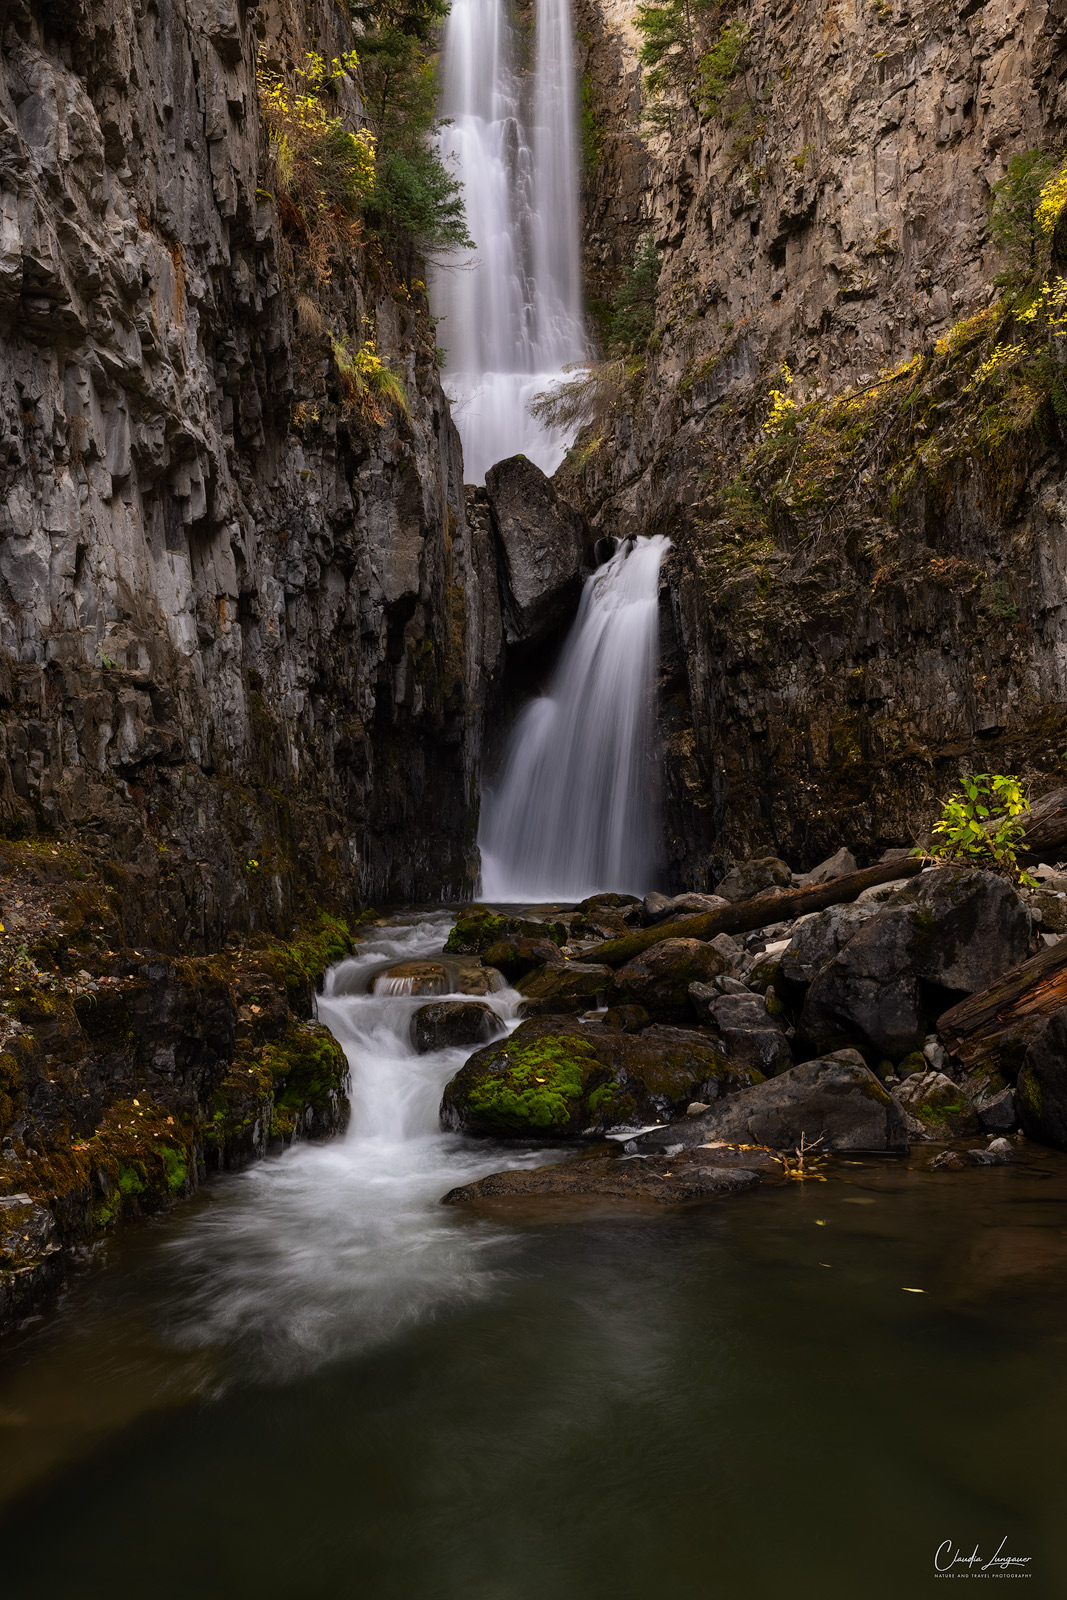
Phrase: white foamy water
(332, 1248)
(512, 319)
(575, 809)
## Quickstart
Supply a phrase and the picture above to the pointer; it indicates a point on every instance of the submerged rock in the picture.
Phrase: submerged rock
(664, 1180)
(835, 1100)
(659, 978)
(452, 1023)
(412, 977)
(948, 932)
(558, 1079)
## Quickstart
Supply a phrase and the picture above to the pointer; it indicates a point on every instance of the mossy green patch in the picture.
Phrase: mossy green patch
(538, 1087)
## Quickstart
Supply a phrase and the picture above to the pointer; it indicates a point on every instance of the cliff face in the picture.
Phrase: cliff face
(233, 618)
(832, 663)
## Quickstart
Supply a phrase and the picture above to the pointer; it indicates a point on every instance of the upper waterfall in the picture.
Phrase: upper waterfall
(576, 809)
(512, 317)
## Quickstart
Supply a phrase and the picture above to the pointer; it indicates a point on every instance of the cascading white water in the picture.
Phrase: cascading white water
(333, 1248)
(575, 809)
(512, 319)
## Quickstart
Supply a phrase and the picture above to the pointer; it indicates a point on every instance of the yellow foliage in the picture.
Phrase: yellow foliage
(1051, 201)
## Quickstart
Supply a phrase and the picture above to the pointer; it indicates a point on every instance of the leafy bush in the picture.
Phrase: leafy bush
(1013, 214)
(679, 61)
(980, 825)
(365, 380)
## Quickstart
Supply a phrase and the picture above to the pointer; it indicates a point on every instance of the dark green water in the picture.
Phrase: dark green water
(662, 1405)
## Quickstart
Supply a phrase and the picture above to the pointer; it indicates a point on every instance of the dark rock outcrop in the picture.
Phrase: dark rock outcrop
(1041, 1093)
(659, 978)
(693, 1175)
(450, 1024)
(750, 878)
(836, 1103)
(540, 539)
(950, 931)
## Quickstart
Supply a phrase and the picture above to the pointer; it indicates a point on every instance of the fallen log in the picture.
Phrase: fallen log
(1046, 824)
(994, 1027)
(749, 914)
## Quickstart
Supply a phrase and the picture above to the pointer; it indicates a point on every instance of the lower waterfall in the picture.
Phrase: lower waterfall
(576, 806)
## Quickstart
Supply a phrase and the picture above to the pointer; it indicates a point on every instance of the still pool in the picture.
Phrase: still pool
(313, 1380)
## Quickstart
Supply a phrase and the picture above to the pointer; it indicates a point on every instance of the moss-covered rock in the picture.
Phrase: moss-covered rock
(478, 927)
(517, 956)
(659, 977)
(568, 987)
(935, 1107)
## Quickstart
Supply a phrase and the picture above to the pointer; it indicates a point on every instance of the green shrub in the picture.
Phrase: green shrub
(980, 825)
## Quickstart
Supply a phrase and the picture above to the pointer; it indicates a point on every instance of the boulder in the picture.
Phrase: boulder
(817, 940)
(628, 1019)
(607, 902)
(540, 539)
(657, 907)
(750, 1034)
(935, 1108)
(478, 927)
(557, 1079)
(836, 1100)
(839, 865)
(571, 986)
(659, 977)
(998, 1114)
(664, 1180)
(515, 957)
(1041, 1092)
(412, 977)
(449, 1024)
(750, 878)
(27, 1232)
(948, 932)
(1000, 1153)
(1049, 908)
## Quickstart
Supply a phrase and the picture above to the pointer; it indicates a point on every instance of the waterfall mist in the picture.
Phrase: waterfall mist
(576, 808)
(512, 318)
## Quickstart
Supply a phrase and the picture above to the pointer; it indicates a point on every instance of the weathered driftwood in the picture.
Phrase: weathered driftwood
(995, 1026)
(757, 913)
(1046, 826)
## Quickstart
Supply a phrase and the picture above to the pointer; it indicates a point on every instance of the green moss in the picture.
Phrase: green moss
(131, 1182)
(540, 1087)
(175, 1165)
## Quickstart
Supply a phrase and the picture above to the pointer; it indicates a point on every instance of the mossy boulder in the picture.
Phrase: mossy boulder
(556, 1080)
(478, 927)
(571, 986)
(936, 1108)
(518, 956)
(659, 977)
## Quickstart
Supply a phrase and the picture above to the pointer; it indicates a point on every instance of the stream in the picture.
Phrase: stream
(313, 1379)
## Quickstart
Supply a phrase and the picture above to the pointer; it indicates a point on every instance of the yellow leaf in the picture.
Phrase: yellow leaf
(906, 1290)
(820, 1222)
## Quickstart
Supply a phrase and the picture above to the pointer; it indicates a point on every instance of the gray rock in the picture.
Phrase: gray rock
(998, 1115)
(654, 906)
(750, 878)
(839, 1102)
(999, 1154)
(818, 939)
(935, 1108)
(689, 1175)
(934, 1052)
(750, 1035)
(448, 1024)
(659, 978)
(731, 949)
(952, 930)
(540, 540)
(879, 893)
(839, 865)
(1041, 1092)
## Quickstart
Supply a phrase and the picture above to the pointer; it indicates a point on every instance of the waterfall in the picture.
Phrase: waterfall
(512, 319)
(575, 810)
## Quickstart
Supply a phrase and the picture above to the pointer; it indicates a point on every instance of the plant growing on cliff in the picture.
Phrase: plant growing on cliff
(323, 171)
(415, 199)
(981, 825)
(679, 61)
(367, 383)
(1014, 220)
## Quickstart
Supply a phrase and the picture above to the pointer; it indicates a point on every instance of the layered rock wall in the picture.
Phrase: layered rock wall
(826, 682)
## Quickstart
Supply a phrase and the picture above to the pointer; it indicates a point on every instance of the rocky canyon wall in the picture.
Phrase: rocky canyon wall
(836, 658)
(235, 619)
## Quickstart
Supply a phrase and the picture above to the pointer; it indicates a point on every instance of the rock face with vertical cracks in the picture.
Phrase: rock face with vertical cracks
(238, 622)
(540, 540)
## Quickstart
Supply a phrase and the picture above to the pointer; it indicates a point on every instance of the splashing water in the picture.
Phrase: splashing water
(513, 319)
(331, 1249)
(576, 809)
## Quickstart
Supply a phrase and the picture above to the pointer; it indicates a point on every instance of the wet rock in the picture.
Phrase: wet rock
(839, 865)
(936, 1108)
(607, 902)
(659, 977)
(570, 986)
(412, 977)
(27, 1231)
(1000, 1153)
(750, 1034)
(693, 1175)
(515, 957)
(657, 908)
(817, 940)
(557, 1079)
(1041, 1092)
(997, 1114)
(836, 1100)
(452, 1023)
(750, 878)
(948, 932)
(540, 539)
(628, 1019)
(947, 1161)
(1049, 908)
(478, 927)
